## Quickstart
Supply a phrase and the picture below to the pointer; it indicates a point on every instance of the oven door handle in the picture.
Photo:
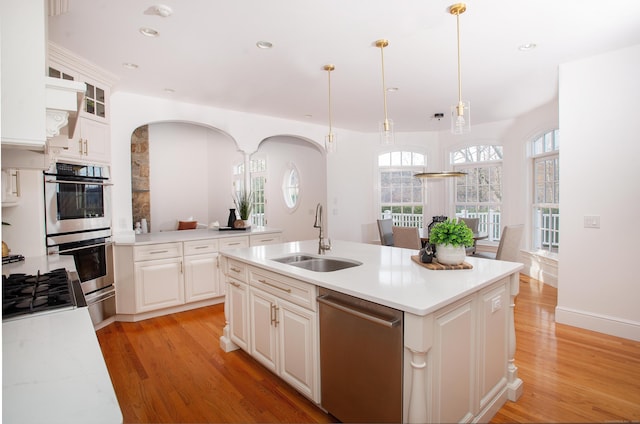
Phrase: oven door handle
(100, 295)
(85, 247)
(77, 182)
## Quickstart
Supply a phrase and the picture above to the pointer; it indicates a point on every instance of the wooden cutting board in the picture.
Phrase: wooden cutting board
(436, 266)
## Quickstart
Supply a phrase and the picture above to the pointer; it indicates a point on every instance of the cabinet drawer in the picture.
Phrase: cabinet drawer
(157, 251)
(236, 269)
(261, 240)
(294, 291)
(195, 247)
(234, 242)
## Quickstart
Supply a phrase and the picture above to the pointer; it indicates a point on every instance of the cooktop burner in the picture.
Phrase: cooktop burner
(27, 294)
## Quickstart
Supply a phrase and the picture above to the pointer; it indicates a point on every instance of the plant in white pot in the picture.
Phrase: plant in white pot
(450, 238)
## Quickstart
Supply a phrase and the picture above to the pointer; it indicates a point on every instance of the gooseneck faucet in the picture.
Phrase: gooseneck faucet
(322, 246)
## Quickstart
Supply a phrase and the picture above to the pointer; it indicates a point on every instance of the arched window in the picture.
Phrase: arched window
(291, 186)
(402, 196)
(545, 153)
(479, 193)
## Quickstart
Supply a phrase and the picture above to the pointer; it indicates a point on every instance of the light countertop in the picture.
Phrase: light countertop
(45, 263)
(53, 371)
(197, 234)
(387, 275)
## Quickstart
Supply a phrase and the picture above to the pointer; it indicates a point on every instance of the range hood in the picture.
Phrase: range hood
(64, 99)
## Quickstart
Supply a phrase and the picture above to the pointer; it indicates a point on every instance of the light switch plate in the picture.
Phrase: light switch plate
(591, 221)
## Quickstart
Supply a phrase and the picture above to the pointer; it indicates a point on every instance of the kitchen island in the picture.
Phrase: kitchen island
(459, 334)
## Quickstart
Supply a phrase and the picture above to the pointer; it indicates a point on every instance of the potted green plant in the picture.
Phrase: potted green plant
(450, 238)
(244, 204)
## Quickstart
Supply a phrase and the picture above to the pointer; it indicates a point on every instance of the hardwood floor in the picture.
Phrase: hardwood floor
(171, 370)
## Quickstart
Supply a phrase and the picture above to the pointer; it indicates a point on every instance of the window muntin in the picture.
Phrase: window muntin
(479, 193)
(546, 192)
(258, 181)
(402, 196)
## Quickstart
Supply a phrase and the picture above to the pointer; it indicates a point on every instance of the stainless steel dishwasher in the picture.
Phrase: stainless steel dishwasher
(361, 350)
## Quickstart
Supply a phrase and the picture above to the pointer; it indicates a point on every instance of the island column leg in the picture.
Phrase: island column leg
(514, 385)
(418, 393)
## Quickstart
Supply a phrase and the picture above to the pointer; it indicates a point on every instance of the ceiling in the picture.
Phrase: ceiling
(206, 53)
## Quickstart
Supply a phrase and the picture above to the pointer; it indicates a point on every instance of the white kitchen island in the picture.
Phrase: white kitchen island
(459, 335)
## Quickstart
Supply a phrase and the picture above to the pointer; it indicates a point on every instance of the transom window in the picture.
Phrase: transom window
(401, 195)
(545, 152)
(479, 193)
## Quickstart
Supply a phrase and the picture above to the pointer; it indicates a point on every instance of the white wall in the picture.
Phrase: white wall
(191, 173)
(598, 287)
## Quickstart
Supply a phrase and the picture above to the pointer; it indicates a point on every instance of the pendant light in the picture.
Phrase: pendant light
(386, 126)
(460, 113)
(330, 139)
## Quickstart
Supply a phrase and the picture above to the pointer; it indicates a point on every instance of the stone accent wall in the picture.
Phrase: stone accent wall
(140, 193)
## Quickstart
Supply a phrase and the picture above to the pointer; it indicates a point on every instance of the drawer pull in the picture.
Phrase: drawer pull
(201, 247)
(235, 269)
(234, 284)
(233, 244)
(155, 252)
(274, 286)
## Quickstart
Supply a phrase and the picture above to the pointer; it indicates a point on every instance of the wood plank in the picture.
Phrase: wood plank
(171, 369)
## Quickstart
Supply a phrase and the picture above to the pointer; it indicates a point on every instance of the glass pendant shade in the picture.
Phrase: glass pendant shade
(461, 118)
(330, 143)
(386, 132)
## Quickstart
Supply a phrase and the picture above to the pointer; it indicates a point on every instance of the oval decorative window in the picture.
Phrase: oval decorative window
(291, 187)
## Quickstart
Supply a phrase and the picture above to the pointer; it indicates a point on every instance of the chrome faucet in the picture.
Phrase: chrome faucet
(322, 246)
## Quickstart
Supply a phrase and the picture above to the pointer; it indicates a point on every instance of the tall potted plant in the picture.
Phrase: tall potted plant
(244, 204)
(451, 237)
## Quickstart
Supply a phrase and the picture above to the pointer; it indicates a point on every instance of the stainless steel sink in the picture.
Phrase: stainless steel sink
(317, 263)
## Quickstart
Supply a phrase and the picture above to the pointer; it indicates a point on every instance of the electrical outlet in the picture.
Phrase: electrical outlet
(591, 221)
(496, 304)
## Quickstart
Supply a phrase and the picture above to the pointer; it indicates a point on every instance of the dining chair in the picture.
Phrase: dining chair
(509, 247)
(386, 233)
(473, 224)
(407, 237)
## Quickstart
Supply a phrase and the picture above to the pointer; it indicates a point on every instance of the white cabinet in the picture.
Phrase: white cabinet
(264, 239)
(279, 316)
(201, 270)
(10, 187)
(90, 143)
(159, 284)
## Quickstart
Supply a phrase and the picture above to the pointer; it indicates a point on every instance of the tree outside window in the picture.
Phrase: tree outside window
(479, 193)
(545, 152)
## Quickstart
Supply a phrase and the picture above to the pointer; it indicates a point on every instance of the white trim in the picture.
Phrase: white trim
(541, 265)
(601, 323)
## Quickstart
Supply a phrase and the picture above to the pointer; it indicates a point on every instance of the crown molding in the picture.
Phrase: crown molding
(61, 55)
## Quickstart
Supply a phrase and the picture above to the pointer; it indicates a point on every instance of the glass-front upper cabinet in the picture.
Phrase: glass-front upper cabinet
(96, 95)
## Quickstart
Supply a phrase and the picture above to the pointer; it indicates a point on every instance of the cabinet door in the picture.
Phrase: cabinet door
(298, 361)
(238, 315)
(10, 187)
(201, 277)
(264, 316)
(159, 284)
(90, 142)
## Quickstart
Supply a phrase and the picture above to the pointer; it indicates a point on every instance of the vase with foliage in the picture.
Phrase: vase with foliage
(244, 204)
(450, 238)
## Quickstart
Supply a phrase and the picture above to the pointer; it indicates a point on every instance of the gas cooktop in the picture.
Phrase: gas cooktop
(24, 295)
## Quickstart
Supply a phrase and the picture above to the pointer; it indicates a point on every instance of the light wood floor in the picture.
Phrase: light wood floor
(172, 370)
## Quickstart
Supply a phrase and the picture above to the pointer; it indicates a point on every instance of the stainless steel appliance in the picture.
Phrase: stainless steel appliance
(78, 224)
(77, 198)
(25, 295)
(361, 351)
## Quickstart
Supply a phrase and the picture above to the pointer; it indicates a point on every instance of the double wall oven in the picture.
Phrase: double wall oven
(78, 223)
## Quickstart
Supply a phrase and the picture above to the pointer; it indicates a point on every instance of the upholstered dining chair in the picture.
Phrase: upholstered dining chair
(386, 233)
(509, 247)
(407, 237)
(473, 224)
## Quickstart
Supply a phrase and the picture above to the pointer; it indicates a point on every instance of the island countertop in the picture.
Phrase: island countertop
(387, 276)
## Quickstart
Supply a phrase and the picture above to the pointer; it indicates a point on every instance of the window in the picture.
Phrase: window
(401, 195)
(479, 193)
(291, 187)
(258, 179)
(545, 152)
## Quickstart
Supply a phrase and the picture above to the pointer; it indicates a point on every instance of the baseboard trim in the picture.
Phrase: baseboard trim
(602, 324)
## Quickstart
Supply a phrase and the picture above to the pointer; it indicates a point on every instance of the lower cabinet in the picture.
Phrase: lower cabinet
(159, 284)
(237, 310)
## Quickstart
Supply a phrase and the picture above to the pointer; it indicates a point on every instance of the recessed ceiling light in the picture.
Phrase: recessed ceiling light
(526, 47)
(149, 32)
(169, 90)
(128, 65)
(162, 10)
(264, 45)
(392, 89)
(308, 116)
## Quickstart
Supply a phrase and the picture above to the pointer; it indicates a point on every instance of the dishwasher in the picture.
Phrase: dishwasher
(361, 351)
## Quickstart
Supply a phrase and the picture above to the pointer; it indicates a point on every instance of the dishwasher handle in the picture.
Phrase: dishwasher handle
(326, 299)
